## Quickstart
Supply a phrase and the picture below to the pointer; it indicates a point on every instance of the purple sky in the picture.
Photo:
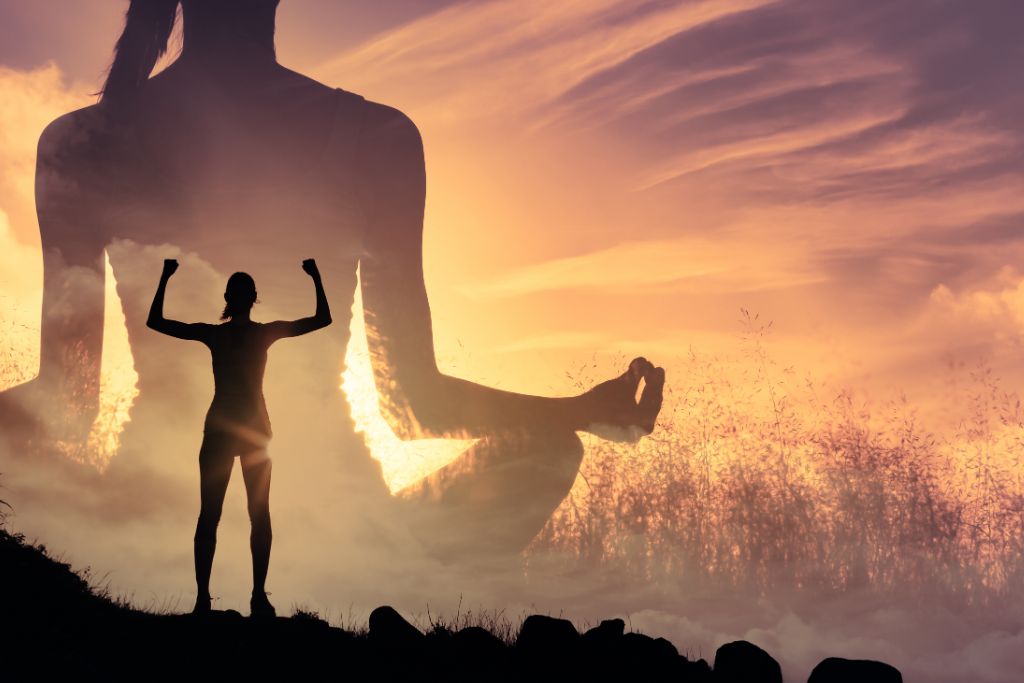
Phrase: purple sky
(849, 169)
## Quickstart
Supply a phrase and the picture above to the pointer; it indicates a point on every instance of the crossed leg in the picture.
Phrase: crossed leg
(496, 496)
(216, 459)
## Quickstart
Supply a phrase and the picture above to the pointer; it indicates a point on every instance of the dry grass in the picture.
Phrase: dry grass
(759, 485)
(495, 621)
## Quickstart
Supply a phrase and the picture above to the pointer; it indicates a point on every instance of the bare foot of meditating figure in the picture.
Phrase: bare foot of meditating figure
(237, 423)
(228, 158)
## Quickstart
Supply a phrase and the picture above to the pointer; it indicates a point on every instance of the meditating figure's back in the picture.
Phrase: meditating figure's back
(225, 171)
(227, 162)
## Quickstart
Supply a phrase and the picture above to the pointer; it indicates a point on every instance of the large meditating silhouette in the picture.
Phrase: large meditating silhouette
(227, 161)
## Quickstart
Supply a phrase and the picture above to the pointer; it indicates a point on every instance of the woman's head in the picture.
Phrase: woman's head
(239, 295)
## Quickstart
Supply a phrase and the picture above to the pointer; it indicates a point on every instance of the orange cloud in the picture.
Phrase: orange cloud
(681, 265)
(502, 56)
(29, 100)
(992, 311)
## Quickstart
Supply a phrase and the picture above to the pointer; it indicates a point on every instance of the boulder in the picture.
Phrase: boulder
(696, 672)
(607, 631)
(603, 642)
(743, 662)
(472, 654)
(547, 649)
(478, 644)
(540, 634)
(644, 647)
(838, 670)
(652, 659)
(387, 627)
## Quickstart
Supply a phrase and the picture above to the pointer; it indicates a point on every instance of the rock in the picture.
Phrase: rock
(743, 662)
(838, 670)
(665, 648)
(541, 634)
(608, 630)
(600, 651)
(477, 644)
(397, 647)
(547, 649)
(604, 641)
(470, 655)
(645, 647)
(696, 672)
(388, 626)
(651, 659)
(478, 639)
(601, 646)
(607, 652)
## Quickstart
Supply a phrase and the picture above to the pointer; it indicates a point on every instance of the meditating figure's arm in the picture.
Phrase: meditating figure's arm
(173, 328)
(415, 397)
(62, 401)
(319, 320)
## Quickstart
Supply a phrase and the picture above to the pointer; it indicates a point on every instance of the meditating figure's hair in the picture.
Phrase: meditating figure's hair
(147, 30)
(149, 23)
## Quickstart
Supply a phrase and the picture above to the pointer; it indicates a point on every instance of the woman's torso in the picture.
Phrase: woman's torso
(238, 351)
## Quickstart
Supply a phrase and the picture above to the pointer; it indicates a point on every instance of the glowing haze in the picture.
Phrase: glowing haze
(623, 177)
(612, 178)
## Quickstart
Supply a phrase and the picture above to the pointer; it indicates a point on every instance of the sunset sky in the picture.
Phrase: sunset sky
(606, 179)
(609, 177)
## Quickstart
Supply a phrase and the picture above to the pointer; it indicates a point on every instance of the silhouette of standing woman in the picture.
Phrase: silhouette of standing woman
(237, 423)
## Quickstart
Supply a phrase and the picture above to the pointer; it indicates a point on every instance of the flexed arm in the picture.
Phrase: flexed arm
(173, 328)
(320, 319)
(416, 398)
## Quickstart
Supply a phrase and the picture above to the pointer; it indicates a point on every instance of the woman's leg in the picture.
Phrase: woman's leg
(256, 473)
(496, 496)
(215, 462)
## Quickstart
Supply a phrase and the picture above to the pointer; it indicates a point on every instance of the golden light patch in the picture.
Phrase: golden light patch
(402, 462)
(118, 385)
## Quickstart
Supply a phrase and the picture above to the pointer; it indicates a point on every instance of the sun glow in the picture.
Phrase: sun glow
(402, 462)
(118, 385)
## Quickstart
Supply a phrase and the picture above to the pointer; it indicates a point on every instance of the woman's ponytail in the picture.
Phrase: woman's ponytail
(147, 30)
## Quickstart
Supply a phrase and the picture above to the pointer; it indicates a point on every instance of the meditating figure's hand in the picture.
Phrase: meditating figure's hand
(610, 409)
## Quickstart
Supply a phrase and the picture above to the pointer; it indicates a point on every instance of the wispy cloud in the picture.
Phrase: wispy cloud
(28, 101)
(683, 265)
(476, 59)
(553, 340)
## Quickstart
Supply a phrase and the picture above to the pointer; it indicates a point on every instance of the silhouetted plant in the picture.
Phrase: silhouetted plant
(5, 509)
